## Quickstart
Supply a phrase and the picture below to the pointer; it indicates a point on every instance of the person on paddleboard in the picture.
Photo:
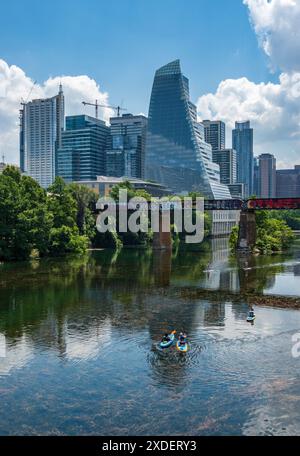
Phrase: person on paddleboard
(251, 312)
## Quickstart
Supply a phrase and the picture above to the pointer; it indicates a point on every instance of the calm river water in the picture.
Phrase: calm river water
(79, 345)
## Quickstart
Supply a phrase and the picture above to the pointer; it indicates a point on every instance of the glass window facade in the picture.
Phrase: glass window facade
(176, 152)
(126, 146)
(82, 155)
(242, 142)
(42, 124)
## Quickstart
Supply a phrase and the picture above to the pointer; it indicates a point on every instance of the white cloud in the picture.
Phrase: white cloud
(276, 23)
(15, 85)
(273, 109)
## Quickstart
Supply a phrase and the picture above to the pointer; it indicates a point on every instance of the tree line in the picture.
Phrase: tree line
(61, 220)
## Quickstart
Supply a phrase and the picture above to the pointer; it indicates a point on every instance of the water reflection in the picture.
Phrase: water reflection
(83, 333)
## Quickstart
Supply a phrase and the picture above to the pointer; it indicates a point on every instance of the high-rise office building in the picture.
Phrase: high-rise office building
(41, 126)
(126, 144)
(267, 176)
(256, 189)
(226, 159)
(82, 154)
(176, 152)
(214, 131)
(242, 142)
(288, 183)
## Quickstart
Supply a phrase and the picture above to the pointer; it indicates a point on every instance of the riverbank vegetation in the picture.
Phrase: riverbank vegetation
(273, 234)
(40, 223)
(62, 220)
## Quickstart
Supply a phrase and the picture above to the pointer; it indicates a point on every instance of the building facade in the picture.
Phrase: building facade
(256, 189)
(82, 155)
(214, 133)
(41, 126)
(226, 159)
(266, 176)
(176, 152)
(288, 183)
(242, 142)
(126, 145)
(237, 190)
(102, 185)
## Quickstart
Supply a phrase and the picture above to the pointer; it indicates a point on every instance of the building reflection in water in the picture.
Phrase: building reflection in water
(73, 308)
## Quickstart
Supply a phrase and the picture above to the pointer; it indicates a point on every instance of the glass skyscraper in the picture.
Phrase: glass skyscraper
(125, 154)
(83, 149)
(214, 131)
(226, 159)
(41, 126)
(242, 142)
(176, 152)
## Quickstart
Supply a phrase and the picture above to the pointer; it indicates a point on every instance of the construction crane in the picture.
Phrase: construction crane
(29, 93)
(97, 106)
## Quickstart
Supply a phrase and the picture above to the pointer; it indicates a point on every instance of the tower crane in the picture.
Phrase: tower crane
(97, 106)
(29, 93)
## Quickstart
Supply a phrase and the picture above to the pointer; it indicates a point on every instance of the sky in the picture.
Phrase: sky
(242, 58)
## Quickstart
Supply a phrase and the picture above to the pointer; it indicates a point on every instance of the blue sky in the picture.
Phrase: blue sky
(121, 43)
(241, 57)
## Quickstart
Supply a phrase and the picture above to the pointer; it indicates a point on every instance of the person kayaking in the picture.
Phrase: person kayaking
(182, 338)
(166, 338)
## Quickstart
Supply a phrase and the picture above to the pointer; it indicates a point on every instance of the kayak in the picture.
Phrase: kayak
(169, 343)
(183, 348)
(251, 318)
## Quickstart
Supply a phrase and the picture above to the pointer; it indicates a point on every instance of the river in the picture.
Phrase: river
(79, 344)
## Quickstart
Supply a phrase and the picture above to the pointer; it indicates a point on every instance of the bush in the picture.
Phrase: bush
(67, 240)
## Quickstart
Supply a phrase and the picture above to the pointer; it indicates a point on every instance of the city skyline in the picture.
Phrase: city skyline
(230, 89)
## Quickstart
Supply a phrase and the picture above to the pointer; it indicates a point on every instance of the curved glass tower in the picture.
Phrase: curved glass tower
(176, 152)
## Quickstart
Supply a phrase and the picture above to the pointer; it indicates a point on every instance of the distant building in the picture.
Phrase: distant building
(237, 190)
(2, 167)
(256, 190)
(242, 142)
(125, 154)
(41, 126)
(176, 152)
(102, 185)
(82, 154)
(226, 159)
(214, 133)
(267, 176)
(288, 183)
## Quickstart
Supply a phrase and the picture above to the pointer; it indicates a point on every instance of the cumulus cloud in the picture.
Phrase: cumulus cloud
(276, 23)
(272, 108)
(15, 85)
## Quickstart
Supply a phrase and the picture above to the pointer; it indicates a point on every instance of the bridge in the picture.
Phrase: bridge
(247, 208)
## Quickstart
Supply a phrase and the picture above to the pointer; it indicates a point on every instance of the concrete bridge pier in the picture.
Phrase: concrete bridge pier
(247, 231)
(163, 240)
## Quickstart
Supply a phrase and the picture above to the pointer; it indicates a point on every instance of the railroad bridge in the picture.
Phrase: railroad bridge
(247, 224)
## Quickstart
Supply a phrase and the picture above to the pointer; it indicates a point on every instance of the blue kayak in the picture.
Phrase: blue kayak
(169, 343)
